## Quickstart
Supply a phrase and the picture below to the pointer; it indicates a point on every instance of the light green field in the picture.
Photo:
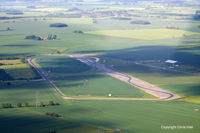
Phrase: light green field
(50, 9)
(192, 99)
(19, 71)
(70, 20)
(144, 34)
(6, 62)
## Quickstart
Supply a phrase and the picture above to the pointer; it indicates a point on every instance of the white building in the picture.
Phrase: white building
(171, 61)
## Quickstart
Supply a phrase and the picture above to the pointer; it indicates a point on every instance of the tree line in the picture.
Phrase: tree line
(26, 104)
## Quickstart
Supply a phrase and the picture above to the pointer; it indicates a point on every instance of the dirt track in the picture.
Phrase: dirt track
(145, 86)
(161, 94)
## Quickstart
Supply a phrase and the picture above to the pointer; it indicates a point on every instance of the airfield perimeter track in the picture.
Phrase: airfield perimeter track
(161, 94)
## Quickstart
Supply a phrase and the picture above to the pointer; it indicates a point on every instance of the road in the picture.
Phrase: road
(160, 93)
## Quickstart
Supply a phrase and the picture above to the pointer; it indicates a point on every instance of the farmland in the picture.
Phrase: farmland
(137, 50)
(144, 34)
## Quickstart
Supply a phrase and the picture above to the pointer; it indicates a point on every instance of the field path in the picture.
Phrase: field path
(161, 94)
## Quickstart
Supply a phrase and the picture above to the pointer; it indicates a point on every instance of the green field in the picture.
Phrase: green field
(118, 44)
(144, 34)
(18, 70)
(70, 20)
(128, 116)
(73, 78)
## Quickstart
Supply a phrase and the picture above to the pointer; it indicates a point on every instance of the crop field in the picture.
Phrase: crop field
(16, 71)
(144, 34)
(105, 29)
(70, 20)
(10, 62)
(27, 91)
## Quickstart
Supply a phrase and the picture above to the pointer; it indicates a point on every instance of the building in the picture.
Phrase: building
(172, 62)
(45, 38)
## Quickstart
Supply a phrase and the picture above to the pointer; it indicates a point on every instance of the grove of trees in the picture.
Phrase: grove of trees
(58, 25)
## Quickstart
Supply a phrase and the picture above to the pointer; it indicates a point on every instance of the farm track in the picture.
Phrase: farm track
(161, 94)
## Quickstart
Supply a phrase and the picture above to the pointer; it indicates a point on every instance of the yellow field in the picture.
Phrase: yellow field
(58, 49)
(70, 20)
(8, 62)
(18, 71)
(50, 9)
(144, 34)
(192, 99)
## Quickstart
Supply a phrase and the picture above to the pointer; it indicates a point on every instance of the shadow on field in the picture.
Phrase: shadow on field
(19, 45)
(186, 89)
(27, 122)
(58, 64)
(183, 54)
(15, 56)
(18, 73)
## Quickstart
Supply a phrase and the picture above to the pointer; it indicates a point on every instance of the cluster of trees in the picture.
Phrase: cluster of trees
(78, 31)
(15, 13)
(23, 60)
(197, 15)
(52, 37)
(52, 114)
(26, 104)
(33, 37)
(58, 25)
(9, 105)
(5, 18)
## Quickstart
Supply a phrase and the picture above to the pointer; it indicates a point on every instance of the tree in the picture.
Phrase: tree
(8, 83)
(6, 105)
(51, 103)
(26, 104)
(8, 29)
(42, 104)
(19, 104)
(58, 52)
(58, 25)
(54, 37)
(49, 36)
(33, 37)
(81, 32)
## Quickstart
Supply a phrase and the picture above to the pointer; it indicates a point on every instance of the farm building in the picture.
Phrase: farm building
(45, 38)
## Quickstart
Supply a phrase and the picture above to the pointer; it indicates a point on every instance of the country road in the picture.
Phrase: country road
(161, 94)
